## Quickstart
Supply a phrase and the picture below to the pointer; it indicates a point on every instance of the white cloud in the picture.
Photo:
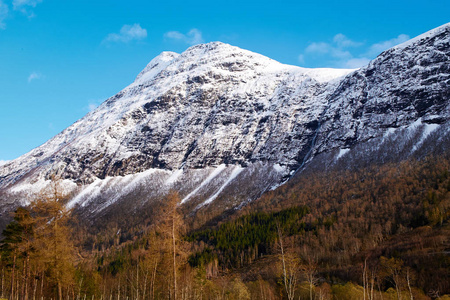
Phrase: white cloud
(127, 34)
(341, 54)
(34, 76)
(341, 51)
(301, 58)
(377, 48)
(335, 50)
(175, 35)
(4, 10)
(320, 48)
(17, 4)
(25, 6)
(193, 37)
(93, 104)
(354, 63)
(343, 42)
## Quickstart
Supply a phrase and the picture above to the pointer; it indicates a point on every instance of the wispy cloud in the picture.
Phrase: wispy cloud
(34, 76)
(4, 10)
(193, 37)
(93, 104)
(336, 49)
(325, 48)
(377, 48)
(343, 52)
(354, 63)
(344, 42)
(127, 34)
(26, 6)
(320, 48)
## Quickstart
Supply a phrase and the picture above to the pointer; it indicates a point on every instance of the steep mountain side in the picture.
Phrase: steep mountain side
(404, 84)
(218, 123)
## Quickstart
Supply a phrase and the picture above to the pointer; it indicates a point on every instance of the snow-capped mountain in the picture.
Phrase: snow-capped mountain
(221, 124)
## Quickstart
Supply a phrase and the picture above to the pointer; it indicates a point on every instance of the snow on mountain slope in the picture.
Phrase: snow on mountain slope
(218, 123)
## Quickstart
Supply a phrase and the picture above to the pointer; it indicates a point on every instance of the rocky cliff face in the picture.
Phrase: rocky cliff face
(221, 123)
(402, 85)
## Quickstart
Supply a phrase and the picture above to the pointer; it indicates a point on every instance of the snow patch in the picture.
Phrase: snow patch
(427, 130)
(4, 162)
(174, 177)
(278, 168)
(411, 126)
(91, 190)
(155, 66)
(236, 171)
(210, 177)
(342, 152)
(121, 185)
(137, 179)
(36, 188)
(389, 131)
(327, 74)
(66, 186)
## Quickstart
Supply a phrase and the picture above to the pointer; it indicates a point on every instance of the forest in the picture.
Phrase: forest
(379, 232)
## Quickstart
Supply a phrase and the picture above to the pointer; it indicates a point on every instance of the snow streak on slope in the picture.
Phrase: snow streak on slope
(116, 186)
(233, 175)
(342, 152)
(210, 177)
(426, 131)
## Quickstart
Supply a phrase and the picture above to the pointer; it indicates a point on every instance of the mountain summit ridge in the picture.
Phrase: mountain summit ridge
(206, 120)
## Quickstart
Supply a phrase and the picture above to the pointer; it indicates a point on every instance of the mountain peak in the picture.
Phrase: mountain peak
(217, 51)
(210, 46)
(156, 65)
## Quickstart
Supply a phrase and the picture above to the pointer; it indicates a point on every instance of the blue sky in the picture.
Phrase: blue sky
(60, 59)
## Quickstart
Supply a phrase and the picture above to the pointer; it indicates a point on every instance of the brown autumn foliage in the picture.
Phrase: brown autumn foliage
(381, 232)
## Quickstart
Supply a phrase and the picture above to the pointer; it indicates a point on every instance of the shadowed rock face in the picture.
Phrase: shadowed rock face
(215, 116)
